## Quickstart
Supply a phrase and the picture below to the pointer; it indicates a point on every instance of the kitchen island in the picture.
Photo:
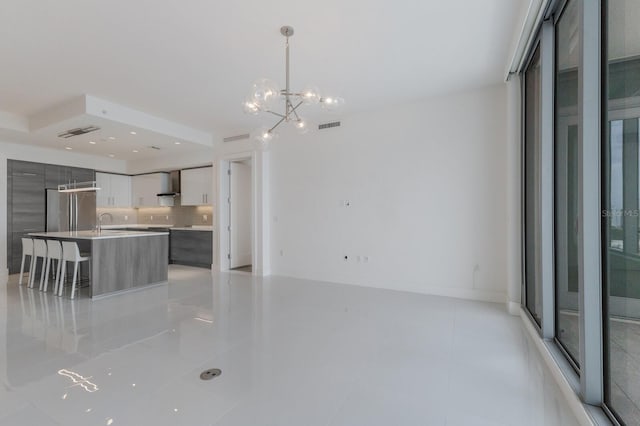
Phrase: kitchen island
(120, 260)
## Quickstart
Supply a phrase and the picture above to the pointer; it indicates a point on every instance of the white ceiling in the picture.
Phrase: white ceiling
(193, 61)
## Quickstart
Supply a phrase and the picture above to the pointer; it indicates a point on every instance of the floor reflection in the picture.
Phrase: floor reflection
(292, 352)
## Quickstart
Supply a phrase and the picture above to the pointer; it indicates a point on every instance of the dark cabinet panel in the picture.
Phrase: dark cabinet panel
(27, 201)
(25, 207)
(9, 210)
(191, 248)
(56, 175)
(16, 248)
(82, 175)
(26, 167)
(59, 175)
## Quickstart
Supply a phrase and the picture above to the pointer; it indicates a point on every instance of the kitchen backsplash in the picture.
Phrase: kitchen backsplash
(178, 216)
(120, 216)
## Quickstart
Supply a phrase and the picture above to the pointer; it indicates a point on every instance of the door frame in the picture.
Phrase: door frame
(259, 211)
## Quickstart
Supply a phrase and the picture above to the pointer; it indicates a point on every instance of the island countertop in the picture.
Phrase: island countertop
(121, 261)
(94, 235)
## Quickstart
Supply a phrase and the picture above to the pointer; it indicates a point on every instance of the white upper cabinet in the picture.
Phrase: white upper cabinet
(145, 189)
(103, 195)
(196, 186)
(115, 190)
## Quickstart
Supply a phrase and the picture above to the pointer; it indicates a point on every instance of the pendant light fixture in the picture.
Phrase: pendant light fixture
(265, 95)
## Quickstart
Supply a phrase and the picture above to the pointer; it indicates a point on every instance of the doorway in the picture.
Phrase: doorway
(239, 226)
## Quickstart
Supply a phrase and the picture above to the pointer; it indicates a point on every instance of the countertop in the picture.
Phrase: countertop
(192, 228)
(177, 228)
(93, 235)
(135, 225)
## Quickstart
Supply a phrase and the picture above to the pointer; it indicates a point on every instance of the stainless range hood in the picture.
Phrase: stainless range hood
(168, 198)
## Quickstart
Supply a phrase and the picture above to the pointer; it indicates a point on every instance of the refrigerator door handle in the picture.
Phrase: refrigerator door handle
(70, 212)
(76, 203)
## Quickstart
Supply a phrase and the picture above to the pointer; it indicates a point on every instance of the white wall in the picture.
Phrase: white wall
(427, 188)
(17, 151)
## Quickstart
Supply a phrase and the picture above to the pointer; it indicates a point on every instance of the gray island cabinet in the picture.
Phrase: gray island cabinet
(120, 260)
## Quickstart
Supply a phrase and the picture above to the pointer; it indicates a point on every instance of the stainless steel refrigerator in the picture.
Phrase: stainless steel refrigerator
(70, 211)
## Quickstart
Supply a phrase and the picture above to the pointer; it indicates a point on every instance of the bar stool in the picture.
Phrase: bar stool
(54, 252)
(27, 250)
(71, 253)
(39, 251)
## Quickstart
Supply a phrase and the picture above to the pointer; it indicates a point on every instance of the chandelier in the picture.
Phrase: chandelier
(265, 95)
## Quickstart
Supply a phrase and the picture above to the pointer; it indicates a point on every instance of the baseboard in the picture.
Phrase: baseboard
(261, 272)
(513, 308)
(458, 293)
(455, 292)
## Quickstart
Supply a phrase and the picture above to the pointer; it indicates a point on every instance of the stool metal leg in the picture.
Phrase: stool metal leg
(63, 275)
(44, 279)
(24, 257)
(75, 278)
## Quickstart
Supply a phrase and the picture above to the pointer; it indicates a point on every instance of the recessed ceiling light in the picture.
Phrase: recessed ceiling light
(92, 142)
(177, 143)
(135, 150)
(111, 155)
(133, 133)
(112, 138)
(68, 147)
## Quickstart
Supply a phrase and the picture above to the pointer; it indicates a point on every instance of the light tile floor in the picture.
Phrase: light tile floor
(292, 352)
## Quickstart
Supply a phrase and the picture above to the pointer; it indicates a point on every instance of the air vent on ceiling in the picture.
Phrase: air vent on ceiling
(157, 148)
(78, 131)
(329, 125)
(236, 138)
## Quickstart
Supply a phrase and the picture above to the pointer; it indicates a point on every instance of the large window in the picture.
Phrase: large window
(532, 145)
(621, 203)
(590, 50)
(566, 152)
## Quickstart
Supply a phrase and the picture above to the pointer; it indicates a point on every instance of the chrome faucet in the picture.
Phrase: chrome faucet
(99, 224)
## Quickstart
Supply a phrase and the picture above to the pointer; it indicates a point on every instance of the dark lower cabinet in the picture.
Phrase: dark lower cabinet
(192, 248)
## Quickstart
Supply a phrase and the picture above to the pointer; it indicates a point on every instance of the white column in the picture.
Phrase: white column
(514, 179)
(262, 244)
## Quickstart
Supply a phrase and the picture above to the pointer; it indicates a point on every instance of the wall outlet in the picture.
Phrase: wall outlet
(167, 217)
(151, 217)
(126, 217)
(205, 217)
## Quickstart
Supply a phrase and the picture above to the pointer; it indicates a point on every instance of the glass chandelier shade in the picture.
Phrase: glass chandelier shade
(265, 95)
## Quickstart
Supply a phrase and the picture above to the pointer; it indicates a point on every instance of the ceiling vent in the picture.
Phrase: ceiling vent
(236, 138)
(157, 148)
(78, 131)
(329, 125)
